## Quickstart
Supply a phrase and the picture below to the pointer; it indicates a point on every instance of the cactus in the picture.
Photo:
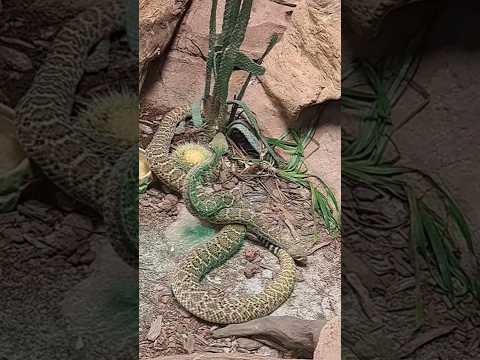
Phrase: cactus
(224, 56)
(190, 154)
(115, 113)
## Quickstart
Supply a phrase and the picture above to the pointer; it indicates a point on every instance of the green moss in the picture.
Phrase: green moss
(197, 233)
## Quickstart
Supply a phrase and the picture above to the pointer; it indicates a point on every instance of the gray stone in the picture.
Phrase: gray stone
(15, 59)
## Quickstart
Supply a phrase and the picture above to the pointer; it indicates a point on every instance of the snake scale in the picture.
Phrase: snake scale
(204, 258)
(84, 164)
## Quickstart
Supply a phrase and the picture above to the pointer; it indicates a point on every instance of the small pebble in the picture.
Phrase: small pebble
(248, 344)
(250, 254)
(145, 129)
(267, 274)
(13, 234)
(251, 270)
(15, 59)
(172, 199)
(229, 185)
(88, 258)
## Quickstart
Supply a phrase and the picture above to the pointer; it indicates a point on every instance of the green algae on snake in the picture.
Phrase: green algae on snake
(232, 309)
(201, 204)
(225, 207)
(187, 277)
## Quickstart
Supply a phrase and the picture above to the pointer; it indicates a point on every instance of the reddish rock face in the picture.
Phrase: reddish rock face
(158, 20)
(329, 341)
(303, 70)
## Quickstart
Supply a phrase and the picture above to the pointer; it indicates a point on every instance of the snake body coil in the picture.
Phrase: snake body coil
(188, 276)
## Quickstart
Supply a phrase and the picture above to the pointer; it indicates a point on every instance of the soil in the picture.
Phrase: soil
(55, 255)
(166, 328)
(380, 292)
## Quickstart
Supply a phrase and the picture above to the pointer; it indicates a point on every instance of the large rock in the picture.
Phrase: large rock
(285, 333)
(329, 341)
(304, 68)
(183, 73)
(303, 73)
(158, 20)
(323, 154)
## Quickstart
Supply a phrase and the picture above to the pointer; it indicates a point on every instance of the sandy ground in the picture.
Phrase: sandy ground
(168, 232)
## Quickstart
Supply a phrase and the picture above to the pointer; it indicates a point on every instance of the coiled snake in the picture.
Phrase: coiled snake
(187, 278)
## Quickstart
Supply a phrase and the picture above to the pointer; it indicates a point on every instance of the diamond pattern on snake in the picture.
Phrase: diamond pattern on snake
(222, 208)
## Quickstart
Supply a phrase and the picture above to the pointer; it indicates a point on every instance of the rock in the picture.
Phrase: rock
(183, 72)
(171, 199)
(145, 129)
(155, 329)
(15, 59)
(13, 234)
(66, 244)
(250, 253)
(248, 344)
(279, 332)
(292, 67)
(304, 69)
(83, 248)
(79, 223)
(251, 270)
(329, 341)
(267, 351)
(88, 258)
(229, 185)
(65, 202)
(38, 210)
(74, 259)
(158, 21)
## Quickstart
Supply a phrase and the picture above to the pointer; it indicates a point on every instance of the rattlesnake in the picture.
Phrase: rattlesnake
(186, 279)
(90, 167)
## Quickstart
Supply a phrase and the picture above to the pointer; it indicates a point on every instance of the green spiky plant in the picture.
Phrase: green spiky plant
(224, 57)
(437, 225)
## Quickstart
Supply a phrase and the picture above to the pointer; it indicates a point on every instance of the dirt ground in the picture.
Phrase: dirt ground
(379, 294)
(168, 232)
